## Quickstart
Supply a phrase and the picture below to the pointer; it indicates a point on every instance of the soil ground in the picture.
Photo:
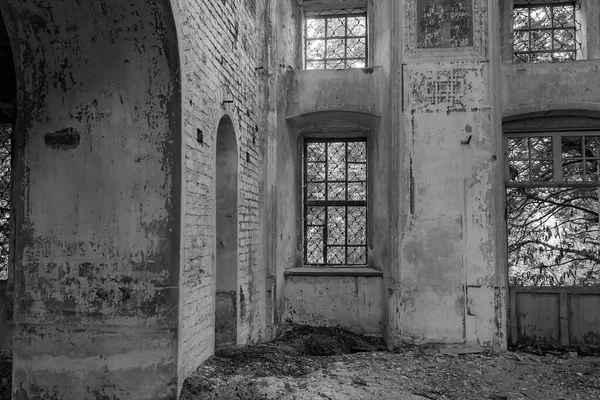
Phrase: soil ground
(305, 363)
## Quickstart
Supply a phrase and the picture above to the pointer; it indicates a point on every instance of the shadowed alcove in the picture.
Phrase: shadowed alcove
(227, 235)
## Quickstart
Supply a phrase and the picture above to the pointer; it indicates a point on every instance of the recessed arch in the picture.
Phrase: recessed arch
(226, 268)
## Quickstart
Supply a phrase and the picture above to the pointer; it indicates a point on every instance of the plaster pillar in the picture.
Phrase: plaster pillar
(449, 282)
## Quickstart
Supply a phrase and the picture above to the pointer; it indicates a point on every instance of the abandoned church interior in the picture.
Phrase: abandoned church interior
(181, 175)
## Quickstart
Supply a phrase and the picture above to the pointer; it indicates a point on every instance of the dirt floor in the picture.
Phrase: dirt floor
(306, 363)
(320, 363)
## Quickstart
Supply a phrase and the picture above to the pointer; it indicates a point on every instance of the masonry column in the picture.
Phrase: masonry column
(450, 281)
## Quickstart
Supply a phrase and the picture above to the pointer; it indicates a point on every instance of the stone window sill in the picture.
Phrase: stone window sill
(333, 271)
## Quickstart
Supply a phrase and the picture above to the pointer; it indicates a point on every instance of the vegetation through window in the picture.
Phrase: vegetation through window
(545, 31)
(552, 191)
(5, 194)
(335, 39)
(335, 202)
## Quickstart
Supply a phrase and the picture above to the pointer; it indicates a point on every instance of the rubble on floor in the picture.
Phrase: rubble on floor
(306, 363)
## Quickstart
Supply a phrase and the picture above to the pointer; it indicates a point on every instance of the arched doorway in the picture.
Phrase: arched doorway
(227, 235)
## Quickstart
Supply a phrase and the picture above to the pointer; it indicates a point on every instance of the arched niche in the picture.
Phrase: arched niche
(226, 269)
(98, 184)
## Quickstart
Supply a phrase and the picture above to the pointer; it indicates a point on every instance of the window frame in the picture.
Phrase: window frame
(557, 131)
(333, 137)
(332, 6)
(556, 158)
(10, 240)
(576, 28)
(589, 32)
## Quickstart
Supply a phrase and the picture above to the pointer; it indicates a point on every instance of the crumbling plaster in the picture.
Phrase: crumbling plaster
(98, 190)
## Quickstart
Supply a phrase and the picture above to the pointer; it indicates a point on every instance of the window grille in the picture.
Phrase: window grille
(551, 159)
(335, 202)
(335, 39)
(546, 31)
(5, 197)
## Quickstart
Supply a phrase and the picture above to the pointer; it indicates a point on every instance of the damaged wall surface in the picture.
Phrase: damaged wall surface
(125, 210)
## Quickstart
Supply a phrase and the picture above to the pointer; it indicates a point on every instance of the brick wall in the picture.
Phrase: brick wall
(223, 50)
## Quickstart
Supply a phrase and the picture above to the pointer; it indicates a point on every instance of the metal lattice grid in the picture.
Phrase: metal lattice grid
(335, 39)
(546, 31)
(335, 202)
(5, 195)
(550, 159)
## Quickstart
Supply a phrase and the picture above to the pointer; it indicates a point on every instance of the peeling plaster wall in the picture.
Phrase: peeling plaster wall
(282, 190)
(383, 167)
(352, 302)
(539, 87)
(448, 283)
(98, 183)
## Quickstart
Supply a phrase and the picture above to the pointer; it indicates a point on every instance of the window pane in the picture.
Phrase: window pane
(521, 18)
(315, 28)
(518, 148)
(541, 40)
(315, 49)
(337, 203)
(315, 172)
(315, 191)
(591, 170)
(336, 39)
(357, 255)
(357, 225)
(336, 27)
(336, 191)
(315, 215)
(5, 198)
(564, 16)
(356, 63)
(541, 17)
(545, 33)
(336, 161)
(315, 65)
(519, 171)
(357, 172)
(592, 146)
(356, 48)
(541, 147)
(357, 26)
(315, 151)
(571, 146)
(314, 245)
(336, 48)
(541, 171)
(357, 151)
(336, 255)
(564, 40)
(572, 170)
(336, 225)
(337, 64)
(357, 191)
(553, 236)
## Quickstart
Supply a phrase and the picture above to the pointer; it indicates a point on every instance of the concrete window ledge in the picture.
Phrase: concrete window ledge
(333, 271)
